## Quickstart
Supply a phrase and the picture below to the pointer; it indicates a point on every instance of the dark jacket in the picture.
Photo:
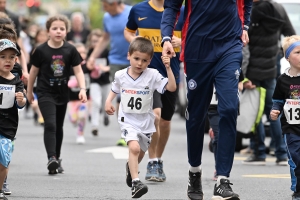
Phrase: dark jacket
(264, 31)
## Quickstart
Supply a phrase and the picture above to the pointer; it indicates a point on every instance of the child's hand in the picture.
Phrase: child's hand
(82, 96)
(19, 97)
(109, 108)
(274, 114)
(166, 61)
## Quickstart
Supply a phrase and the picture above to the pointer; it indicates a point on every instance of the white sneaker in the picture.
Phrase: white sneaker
(80, 139)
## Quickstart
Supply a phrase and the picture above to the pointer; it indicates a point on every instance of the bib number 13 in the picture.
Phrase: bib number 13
(135, 103)
(294, 113)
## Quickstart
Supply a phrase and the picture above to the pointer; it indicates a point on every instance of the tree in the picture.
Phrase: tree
(96, 14)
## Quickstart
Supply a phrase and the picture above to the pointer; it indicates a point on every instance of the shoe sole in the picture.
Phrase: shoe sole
(140, 192)
(153, 178)
(194, 199)
(6, 193)
(53, 166)
(227, 198)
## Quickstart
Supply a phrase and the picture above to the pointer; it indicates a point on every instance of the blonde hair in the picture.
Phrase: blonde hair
(288, 41)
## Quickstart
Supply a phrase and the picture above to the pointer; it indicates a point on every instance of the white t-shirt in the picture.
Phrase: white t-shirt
(137, 98)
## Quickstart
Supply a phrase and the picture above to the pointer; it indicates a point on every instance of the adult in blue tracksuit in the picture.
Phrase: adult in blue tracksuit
(212, 39)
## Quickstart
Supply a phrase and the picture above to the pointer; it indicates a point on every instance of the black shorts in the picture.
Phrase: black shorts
(167, 103)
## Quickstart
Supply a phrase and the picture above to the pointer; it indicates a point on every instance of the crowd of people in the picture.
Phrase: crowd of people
(66, 68)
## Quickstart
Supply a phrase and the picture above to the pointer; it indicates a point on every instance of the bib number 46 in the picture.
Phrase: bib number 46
(137, 103)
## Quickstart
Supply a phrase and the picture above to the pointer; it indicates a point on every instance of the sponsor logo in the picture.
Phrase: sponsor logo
(292, 102)
(142, 18)
(6, 88)
(192, 84)
(237, 74)
(294, 86)
(135, 92)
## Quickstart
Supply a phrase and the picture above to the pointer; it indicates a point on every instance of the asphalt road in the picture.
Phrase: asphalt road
(96, 170)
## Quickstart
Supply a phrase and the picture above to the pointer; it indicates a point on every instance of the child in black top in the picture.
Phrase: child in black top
(286, 101)
(51, 63)
(11, 98)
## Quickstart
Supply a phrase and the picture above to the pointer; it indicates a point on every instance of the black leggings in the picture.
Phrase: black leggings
(54, 116)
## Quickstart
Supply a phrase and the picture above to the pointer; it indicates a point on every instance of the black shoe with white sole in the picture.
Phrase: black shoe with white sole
(224, 191)
(138, 189)
(194, 189)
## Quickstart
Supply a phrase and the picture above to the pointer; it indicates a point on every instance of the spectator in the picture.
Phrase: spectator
(78, 32)
(266, 27)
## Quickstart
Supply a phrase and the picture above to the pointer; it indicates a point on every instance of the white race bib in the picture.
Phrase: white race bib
(7, 96)
(136, 101)
(292, 111)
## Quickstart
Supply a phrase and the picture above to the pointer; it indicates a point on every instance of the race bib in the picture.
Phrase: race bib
(7, 96)
(136, 101)
(292, 111)
(214, 99)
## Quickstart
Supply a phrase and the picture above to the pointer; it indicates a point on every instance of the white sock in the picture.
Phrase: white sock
(136, 179)
(159, 159)
(152, 159)
(219, 178)
(195, 169)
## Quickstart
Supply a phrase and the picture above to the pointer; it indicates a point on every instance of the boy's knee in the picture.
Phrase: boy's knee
(134, 147)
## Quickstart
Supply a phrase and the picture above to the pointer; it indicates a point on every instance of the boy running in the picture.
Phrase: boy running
(11, 98)
(136, 85)
(286, 100)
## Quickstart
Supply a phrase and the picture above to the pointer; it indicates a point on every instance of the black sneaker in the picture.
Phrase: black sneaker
(52, 165)
(254, 160)
(194, 189)
(95, 132)
(224, 191)
(282, 162)
(138, 189)
(106, 120)
(296, 196)
(60, 169)
(2, 196)
(128, 176)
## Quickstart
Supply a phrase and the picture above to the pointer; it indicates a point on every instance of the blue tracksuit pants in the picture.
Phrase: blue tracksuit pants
(224, 74)
(292, 142)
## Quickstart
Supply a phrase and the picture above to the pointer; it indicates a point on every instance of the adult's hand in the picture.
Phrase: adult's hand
(168, 50)
(245, 37)
(176, 41)
(248, 85)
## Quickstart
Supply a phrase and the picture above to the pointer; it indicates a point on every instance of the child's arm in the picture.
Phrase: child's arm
(171, 85)
(80, 79)
(276, 109)
(109, 108)
(32, 76)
